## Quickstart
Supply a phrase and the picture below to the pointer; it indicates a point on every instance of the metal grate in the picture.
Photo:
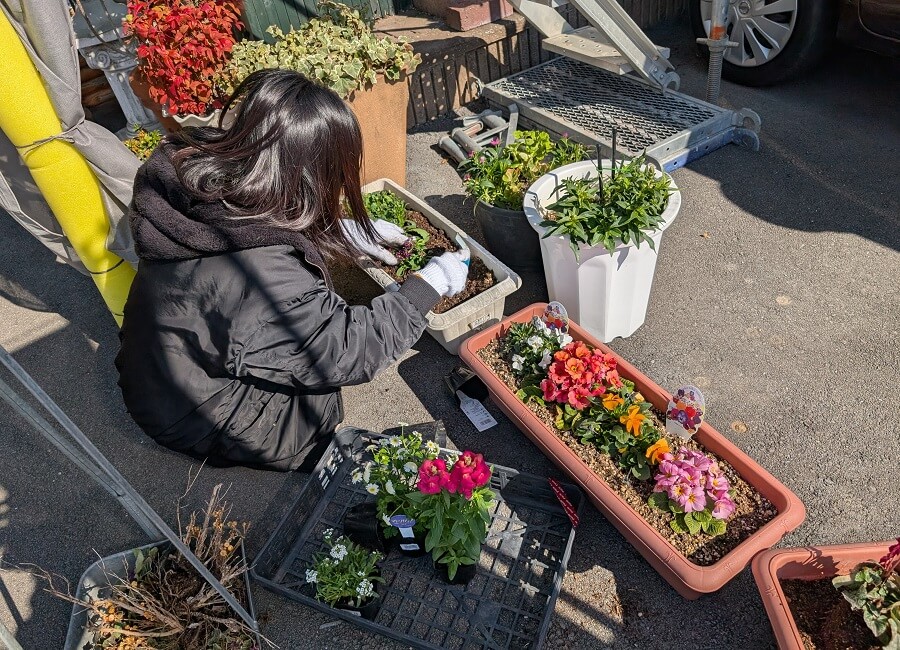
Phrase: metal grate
(565, 95)
(507, 605)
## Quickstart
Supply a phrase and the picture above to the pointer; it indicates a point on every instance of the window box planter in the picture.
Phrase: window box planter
(94, 583)
(453, 326)
(774, 566)
(688, 578)
(606, 293)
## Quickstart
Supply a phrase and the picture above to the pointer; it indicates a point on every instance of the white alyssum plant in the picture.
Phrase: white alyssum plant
(346, 574)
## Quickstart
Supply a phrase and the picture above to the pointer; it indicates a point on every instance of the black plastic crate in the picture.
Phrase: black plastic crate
(507, 605)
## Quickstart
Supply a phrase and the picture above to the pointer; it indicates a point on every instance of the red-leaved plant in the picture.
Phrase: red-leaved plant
(182, 44)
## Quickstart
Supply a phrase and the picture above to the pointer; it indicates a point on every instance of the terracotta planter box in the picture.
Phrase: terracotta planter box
(808, 563)
(689, 579)
(381, 112)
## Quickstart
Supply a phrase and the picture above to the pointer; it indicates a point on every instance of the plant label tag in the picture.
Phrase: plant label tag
(405, 525)
(685, 412)
(476, 412)
(556, 317)
(410, 547)
(352, 612)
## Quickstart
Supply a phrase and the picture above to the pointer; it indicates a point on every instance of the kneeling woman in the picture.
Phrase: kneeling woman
(234, 345)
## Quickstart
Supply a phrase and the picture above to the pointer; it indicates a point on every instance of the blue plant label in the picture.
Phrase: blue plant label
(556, 317)
(404, 524)
(685, 412)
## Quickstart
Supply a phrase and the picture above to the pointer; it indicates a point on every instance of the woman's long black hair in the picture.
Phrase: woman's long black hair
(291, 157)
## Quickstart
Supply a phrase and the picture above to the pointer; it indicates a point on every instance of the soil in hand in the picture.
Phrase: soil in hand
(480, 277)
(824, 618)
(752, 510)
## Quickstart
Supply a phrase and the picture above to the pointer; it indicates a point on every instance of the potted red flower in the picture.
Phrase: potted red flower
(181, 46)
(453, 502)
(603, 422)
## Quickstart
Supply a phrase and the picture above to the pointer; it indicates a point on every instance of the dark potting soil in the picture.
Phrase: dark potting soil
(480, 277)
(824, 618)
(752, 510)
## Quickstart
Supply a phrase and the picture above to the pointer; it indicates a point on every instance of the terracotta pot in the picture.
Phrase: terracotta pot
(381, 112)
(141, 89)
(689, 579)
(808, 563)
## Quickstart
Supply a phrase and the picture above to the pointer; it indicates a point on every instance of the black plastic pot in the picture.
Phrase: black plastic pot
(361, 526)
(509, 236)
(414, 547)
(464, 573)
(368, 611)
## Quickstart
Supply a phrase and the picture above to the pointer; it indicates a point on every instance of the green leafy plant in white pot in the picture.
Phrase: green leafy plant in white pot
(600, 227)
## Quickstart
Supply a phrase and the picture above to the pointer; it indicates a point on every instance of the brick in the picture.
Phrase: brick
(463, 15)
(434, 7)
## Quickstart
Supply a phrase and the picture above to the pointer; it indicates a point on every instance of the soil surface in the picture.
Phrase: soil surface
(480, 277)
(824, 618)
(752, 510)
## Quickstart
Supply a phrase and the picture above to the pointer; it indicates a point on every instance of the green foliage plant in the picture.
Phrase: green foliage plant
(499, 175)
(625, 203)
(413, 255)
(529, 347)
(338, 50)
(873, 588)
(346, 574)
(143, 143)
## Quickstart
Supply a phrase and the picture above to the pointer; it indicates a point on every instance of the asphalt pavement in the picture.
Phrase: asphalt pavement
(777, 291)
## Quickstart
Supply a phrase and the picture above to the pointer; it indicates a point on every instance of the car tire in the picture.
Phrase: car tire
(812, 35)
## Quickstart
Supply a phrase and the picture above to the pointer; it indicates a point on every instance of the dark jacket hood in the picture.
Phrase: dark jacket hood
(171, 225)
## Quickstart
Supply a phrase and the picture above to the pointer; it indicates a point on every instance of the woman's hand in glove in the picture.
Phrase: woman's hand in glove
(390, 234)
(447, 273)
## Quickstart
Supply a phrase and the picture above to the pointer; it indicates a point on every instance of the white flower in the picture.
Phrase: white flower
(431, 447)
(389, 488)
(371, 488)
(539, 324)
(536, 342)
(517, 362)
(403, 424)
(410, 468)
(328, 533)
(546, 360)
(364, 589)
(386, 520)
(371, 448)
(367, 473)
(383, 442)
(357, 477)
(395, 441)
(338, 552)
(401, 453)
(564, 340)
(361, 574)
(311, 576)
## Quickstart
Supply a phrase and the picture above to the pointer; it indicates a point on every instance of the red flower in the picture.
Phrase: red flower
(433, 476)
(577, 373)
(469, 473)
(891, 561)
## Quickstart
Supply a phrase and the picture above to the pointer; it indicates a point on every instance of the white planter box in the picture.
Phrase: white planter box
(606, 293)
(454, 326)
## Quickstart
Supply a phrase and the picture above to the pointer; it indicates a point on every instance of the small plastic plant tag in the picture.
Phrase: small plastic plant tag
(685, 412)
(410, 547)
(556, 317)
(405, 525)
(476, 412)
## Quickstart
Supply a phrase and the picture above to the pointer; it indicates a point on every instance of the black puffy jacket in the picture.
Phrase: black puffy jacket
(233, 345)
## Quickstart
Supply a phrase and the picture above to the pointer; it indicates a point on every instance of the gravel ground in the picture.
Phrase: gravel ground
(790, 258)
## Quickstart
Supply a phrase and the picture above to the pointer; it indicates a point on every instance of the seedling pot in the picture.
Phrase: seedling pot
(606, 293)
(772, 567)
(509, 236)
(453, 326)
(412, 547)
(362, 526)
(689, 579)
(368, 611)
(464, 573)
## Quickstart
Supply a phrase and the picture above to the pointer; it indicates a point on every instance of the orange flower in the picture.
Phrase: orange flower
(582, 352)
(561, 355)
(633, 420)
(657, 449)
(575, 367)
(611, 402)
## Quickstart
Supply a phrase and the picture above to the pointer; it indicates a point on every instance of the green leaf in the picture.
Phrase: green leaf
(714, 527)
(659, 500)
(692, 524)
(678, 524)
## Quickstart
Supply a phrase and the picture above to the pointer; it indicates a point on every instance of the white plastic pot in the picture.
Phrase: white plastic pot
(455, 325)
(606, 293)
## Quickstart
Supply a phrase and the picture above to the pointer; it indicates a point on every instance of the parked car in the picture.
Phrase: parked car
(780, 39)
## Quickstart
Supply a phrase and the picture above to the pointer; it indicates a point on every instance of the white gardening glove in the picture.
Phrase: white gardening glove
(390, 233)
(447, 273)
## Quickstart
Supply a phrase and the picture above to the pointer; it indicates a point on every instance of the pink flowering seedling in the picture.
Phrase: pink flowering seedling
(692, 486)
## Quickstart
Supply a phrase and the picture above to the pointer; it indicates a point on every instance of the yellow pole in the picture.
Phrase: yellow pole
(59, 170)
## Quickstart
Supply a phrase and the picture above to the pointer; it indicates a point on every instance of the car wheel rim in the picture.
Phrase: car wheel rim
(761, 28)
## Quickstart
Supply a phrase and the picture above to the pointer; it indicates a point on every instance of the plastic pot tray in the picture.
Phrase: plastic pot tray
(507, 605)
(689, 579)
(452, 327)
(94, 582)
(807, 563)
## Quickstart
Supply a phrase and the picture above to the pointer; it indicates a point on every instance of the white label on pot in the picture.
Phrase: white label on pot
(476, 412)
(685, 412)
(404, 524)
(556, 317)
(353, 612)
(410, 547)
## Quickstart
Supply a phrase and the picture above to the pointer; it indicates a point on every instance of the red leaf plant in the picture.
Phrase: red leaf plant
(182, 44)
